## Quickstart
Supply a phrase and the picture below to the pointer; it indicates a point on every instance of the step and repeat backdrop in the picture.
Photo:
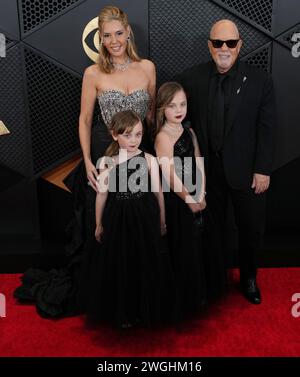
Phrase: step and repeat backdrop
(45, 45)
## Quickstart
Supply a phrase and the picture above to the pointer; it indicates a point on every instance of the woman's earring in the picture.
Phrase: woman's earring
(128, 38)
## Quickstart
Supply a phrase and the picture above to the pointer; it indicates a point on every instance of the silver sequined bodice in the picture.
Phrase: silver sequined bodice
(112, 101)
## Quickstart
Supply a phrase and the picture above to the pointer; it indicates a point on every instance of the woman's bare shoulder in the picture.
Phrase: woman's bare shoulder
(148, 65)
(92, 71)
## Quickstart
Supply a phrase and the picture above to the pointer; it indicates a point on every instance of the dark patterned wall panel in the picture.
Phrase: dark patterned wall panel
(15, 152)
(179, 32)
(261, 58)
(35, 12)
(54, 103)
(257, 11)
(285, 15)
(286, 38)
(9, 18)
(9, 41)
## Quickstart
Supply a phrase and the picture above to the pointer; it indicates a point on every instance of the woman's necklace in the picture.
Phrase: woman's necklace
(174, 129)
(121, 66)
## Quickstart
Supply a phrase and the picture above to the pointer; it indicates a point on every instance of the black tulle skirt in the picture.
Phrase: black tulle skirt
(196, 254)
(127, 278)
(186, 249)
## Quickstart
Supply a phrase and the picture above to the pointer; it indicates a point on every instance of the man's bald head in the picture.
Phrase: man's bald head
(224, 56)
(224, 27)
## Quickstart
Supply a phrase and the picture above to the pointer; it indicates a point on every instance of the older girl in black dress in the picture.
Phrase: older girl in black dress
(196, 275)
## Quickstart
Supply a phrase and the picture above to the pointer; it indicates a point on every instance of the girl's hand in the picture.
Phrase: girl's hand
(203, 204)
(163, 227)
(98, 232)
(91, 173)
(195, 207)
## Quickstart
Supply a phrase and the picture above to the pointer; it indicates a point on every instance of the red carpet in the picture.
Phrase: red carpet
(231, 328)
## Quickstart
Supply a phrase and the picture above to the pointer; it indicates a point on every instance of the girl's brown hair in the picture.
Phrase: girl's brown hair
(165, 96)
(121, 121)
(107, 14)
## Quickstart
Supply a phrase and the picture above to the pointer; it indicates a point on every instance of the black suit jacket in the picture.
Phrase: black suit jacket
(248, 142)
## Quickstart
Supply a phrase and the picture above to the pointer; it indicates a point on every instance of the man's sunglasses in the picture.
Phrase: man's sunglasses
(230, 43)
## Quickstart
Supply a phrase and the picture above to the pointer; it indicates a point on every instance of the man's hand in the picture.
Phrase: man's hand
(260, 183)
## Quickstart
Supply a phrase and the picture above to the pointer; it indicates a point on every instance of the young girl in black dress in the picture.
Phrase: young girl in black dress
(185, 203)
(127, 279)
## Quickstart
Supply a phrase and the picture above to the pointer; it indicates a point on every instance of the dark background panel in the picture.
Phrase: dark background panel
(286, 37)
(257, 12)
(9, 18)
(15, 151)
(35, 13)
(9, 178)
(283, 199)
(9, 39)
(261, 58)
(19, 212)
(286, 78)
(285, 15)
(54, 104)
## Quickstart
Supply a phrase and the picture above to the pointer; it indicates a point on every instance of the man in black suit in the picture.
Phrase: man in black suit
(231, 108)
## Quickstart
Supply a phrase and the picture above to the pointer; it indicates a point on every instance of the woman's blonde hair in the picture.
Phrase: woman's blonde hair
(108, 14)
(165, 96)
(121, 121)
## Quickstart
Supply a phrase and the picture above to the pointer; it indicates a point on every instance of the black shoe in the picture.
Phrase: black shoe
(251, 291)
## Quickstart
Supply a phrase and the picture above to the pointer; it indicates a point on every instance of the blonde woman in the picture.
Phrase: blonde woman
(121, 80)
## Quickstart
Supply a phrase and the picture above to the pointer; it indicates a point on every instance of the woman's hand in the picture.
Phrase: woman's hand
(98, 232)
(92, 174)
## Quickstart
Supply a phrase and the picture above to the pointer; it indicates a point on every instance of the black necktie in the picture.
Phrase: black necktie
(218, 117)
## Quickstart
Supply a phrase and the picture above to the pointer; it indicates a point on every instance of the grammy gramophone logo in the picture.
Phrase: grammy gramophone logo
(91, 27)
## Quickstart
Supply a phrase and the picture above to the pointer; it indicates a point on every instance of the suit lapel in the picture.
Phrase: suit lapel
(238, 91)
